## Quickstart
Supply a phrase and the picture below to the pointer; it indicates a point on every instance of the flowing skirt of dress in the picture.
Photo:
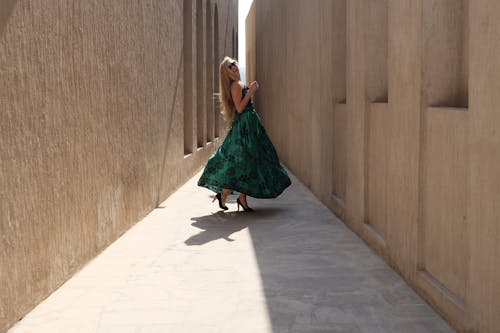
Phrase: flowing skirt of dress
(246, 162)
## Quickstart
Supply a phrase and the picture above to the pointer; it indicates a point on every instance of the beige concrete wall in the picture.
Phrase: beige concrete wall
(386, 110)
(92, 98)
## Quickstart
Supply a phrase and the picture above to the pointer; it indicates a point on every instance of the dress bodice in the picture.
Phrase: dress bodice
(244, 92)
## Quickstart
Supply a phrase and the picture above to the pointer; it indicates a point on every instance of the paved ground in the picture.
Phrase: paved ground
(291, 266)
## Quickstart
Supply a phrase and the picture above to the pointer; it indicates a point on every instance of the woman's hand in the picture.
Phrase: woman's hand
(253, 87)
(239, 101)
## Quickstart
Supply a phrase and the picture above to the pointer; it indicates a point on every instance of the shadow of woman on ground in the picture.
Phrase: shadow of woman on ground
(222, 225)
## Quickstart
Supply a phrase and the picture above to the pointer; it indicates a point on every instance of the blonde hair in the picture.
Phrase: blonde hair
(227, 77)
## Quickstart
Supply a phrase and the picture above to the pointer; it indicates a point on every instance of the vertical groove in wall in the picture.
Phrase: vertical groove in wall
(188, 76)
(200, 69)
(209, 75)
(217, 60)
(376, 41)
(339, 151)
(445, 58)
(442, 245)
(378, 135)
(421, 166)
(442, 241)
(376, 117)
(341, 40)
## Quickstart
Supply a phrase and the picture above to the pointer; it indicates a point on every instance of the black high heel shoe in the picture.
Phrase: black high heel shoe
(246, 209)
(218, 196)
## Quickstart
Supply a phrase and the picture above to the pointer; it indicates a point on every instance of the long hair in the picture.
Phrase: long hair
(227, 77)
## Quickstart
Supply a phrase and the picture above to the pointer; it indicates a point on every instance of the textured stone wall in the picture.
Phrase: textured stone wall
(387, 110)
(92, 127)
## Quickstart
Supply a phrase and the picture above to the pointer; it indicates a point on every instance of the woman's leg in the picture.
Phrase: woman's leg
(242, 198)
(225, 192)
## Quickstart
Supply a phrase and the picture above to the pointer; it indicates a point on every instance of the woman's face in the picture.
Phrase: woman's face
(233, 67)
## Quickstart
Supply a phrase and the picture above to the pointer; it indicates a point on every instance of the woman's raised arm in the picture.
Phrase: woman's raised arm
(239, 102)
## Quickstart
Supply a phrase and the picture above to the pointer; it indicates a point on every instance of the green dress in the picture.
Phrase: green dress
(246, 162)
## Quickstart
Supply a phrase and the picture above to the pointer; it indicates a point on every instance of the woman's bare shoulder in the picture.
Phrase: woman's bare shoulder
(237, 84)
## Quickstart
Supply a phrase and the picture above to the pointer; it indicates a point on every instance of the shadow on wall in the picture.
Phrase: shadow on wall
(6, 7)
(169, 126)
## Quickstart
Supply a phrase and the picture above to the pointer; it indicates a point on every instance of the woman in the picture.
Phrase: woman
(246, 162)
